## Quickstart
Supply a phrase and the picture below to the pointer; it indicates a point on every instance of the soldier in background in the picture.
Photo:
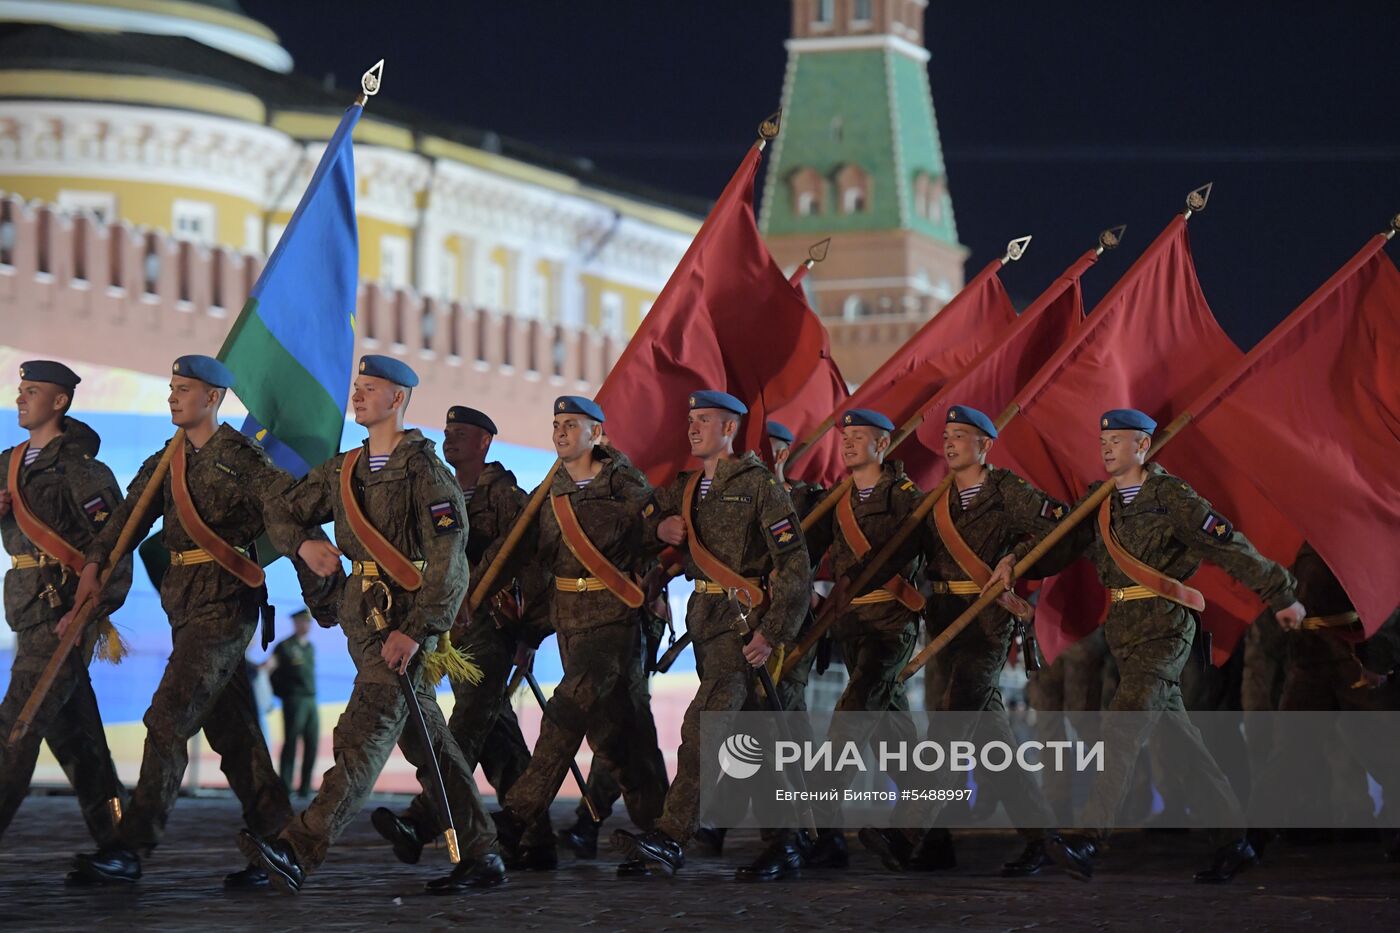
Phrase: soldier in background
(57, 497)
(292, 672)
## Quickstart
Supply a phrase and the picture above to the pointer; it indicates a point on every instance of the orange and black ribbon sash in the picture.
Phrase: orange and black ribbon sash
(710, 565)
(617, 582)
(224, 554)
(33, 527)
(1140, 573)
(846, 520)
(389, 558)
(962, 553)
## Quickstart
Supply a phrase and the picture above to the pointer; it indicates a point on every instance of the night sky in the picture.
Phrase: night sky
(1057, 119)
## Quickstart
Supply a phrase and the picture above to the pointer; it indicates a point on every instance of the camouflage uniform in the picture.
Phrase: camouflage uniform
(599, 643)
(1171, 528)
(482, 720)
(747, 521)
(416, 504)
(74, 495)
(1073, 684)
(212, 616)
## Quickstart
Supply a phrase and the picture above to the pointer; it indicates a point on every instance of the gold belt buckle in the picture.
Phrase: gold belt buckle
(581, 585)
(1116, 594)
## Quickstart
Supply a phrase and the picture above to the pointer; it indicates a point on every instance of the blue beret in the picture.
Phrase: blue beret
(961, 414)
(49, 371)
(205, 369)
(1126, 419)
(578, 405)
(386, 367)
(712, 398)
(461, 414)
(779, 432)
(866, 418)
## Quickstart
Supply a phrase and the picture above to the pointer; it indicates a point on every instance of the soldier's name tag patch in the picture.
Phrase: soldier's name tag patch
(97, 511)
(1216, 526)
(1052, 510)
(783, 531)
(444, 516)
(736, 498)
(226, 468)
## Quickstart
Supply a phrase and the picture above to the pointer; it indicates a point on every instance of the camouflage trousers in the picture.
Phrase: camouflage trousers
(486, 730)
(632, 715)
(376, 718)
(726, 684)
(206, 686)
(588, 703)
(70, 722)
(1150, 641)
(969, 670)
(1071, 686)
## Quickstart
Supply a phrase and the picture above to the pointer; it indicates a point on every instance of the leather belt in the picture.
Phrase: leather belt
(197, 556)
(1126, 594)
(368, 568)
(32, 561)
(955, 587)
(579, 585)
(710, 588)
(870, 599)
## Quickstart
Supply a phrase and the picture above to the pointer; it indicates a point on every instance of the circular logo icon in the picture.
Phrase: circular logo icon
(740, 756)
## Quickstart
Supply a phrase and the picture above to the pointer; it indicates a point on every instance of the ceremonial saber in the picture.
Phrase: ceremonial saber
(593, 812)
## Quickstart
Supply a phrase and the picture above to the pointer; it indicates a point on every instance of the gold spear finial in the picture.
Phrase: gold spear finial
(1196, 201)
(1016, 249)
(1110, 239)
(817, 252)
(768, 129)
(370, 82)
(1394, 227)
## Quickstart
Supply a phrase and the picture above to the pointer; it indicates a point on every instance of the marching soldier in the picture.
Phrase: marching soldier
(746, 554)
(483, 721)
(57, 497)
(589, 537)
(985, 513)
(399, 517)
(213, 501)
(1150, 534)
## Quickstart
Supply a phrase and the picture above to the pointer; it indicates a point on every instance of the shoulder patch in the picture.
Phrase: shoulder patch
(97, 510)
(1216, 526)
(445, 518)
(1052, 510)
(783, 531)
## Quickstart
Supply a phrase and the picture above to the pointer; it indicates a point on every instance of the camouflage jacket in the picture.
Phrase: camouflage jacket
(414, 501)
(805, 497)
(1005, 517)
(891, 500)
(493, 507)
(1321, 593)
(75, 494)
(747, 522)
(1171, 528)
(609, 510)
(231, 480)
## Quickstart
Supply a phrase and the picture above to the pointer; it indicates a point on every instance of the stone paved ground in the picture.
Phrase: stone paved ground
(1144, 885)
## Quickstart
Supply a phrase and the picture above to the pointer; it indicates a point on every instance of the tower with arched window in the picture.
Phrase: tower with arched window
(860, 160)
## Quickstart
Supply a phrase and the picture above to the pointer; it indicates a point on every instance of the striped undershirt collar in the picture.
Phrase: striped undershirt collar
(1129, 493)
(968, 494)
(377, 462)
(32, 454)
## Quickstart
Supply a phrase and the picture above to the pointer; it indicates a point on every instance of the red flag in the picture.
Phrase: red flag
(1152, 344)
(1312, 416)
(727, 319)
(991, 380)
(824, 393)
(974, 320)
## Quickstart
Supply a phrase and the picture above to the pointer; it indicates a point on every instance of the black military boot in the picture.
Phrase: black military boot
(581, 838)
(1031, 860)
(510, 830)
(401, 832)
(484, 872)
(784, 858)
(710, 840)
(935, 852)
(1230, 859)
(1259, 840)
(829, 850)
(252, 877)
(111, 865)
(534, 858)
(653, 847)
(634, 868)
(276, 857)
(891, 845)
(1074, 853)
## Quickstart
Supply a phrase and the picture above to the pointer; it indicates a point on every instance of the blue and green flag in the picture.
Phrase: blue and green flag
(293, 345)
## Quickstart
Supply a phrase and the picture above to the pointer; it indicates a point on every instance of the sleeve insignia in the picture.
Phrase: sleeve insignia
(97, 511)
(1052, 510)
(444, 516)
(1216, 526)
(783, 531)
